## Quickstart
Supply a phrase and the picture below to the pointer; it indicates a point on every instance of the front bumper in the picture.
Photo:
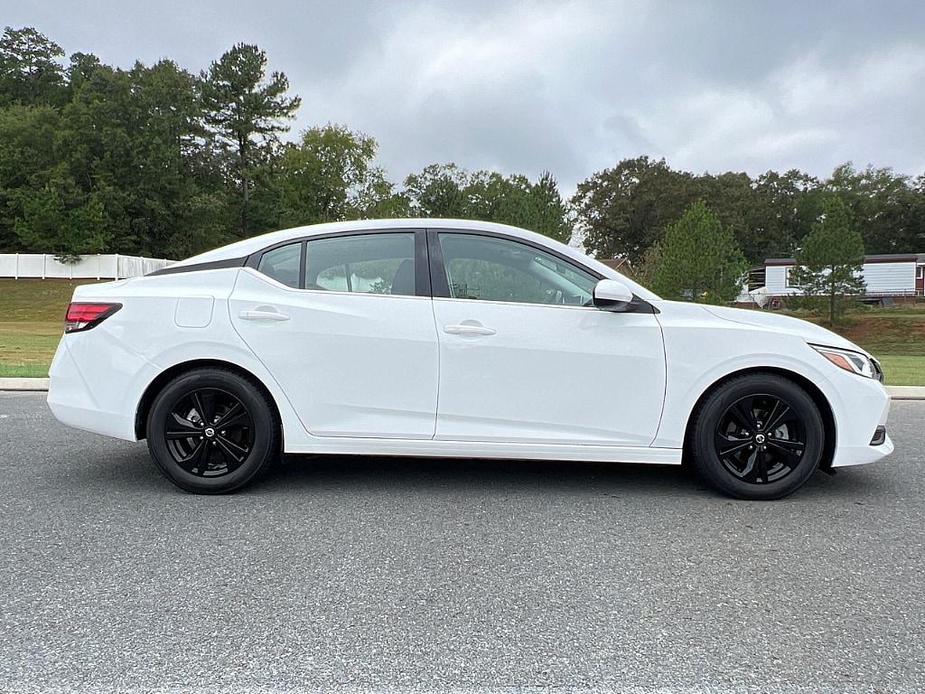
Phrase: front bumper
(865, 407)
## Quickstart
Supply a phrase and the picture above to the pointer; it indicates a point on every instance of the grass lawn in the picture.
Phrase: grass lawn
(896, 336)
(31, 323)
(898, 341)
(32, 320)
(900, 370)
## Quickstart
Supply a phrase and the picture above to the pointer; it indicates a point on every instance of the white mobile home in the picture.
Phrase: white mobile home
(893, 275)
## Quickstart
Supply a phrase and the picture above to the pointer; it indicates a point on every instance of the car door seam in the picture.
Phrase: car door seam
(661, 414)
(260, 361)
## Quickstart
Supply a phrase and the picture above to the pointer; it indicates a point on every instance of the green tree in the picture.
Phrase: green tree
(136, 141)
(785, 207)
(30, 71)
(81, 68)
(379, 199)
(623, 211)
(246, 111)
(768, 214)
(885, 205)
(27, 160)
(698, 259)
(518, 201)
(445, 190)
(60, 220)
(438, 191)
(830, 261)
(546, 211)
(328, 176)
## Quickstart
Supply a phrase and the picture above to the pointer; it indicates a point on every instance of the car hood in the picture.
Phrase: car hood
(769, 321)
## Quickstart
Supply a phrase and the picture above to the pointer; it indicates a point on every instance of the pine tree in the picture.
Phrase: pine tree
(698, 259)
(831, 259)
(246, 110)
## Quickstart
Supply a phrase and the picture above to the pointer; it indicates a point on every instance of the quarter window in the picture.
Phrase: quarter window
(282, 264)
(493, 269)
(365, 264)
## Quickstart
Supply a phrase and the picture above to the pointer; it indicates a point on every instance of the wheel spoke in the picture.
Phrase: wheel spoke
(195, 458)
(776, 418)
(177, 434)
(183, 421)
(206, 413)
(234, 416)
(181, 428)
(761, 466)
(231, 450)
(749, 467)
(743, 413)
(792, 449)
(732, 445)
(238, 449)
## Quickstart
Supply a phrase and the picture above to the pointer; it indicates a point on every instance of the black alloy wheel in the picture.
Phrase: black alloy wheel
(760, 439)
(212, 431)
(209, 432)
(756, 436)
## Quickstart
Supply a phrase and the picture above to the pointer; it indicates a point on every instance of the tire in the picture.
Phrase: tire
(740, 454)
(238, 445)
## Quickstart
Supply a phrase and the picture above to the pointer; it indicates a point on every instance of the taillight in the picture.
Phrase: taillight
(82, 316)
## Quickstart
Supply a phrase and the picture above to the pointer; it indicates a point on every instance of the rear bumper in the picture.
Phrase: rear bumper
(72, 402)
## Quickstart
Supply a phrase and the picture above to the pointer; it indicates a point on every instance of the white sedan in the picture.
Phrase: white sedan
(433, 337)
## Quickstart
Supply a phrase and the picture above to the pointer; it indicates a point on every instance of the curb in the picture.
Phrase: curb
(28, 384)
(41, 384)
(906, 392)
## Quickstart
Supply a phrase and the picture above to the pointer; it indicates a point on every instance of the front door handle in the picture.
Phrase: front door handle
(262, 313)
(468, 328)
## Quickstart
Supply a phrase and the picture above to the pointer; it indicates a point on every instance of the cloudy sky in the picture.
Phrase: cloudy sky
(572, 87)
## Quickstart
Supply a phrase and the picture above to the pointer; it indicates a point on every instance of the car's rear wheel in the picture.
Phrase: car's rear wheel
(211, 431)
(759, 436)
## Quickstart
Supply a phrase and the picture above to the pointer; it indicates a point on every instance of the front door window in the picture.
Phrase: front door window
(487, 268)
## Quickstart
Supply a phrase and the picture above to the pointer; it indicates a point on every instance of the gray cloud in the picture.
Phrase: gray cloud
(571, 87)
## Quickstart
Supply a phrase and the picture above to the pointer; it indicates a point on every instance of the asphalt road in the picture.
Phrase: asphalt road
(430, 575)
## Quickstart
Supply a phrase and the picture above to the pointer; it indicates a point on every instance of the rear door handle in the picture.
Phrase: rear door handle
(263, 314)
(468, 328)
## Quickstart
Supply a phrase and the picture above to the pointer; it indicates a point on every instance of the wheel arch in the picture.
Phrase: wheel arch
(163, 378)
(825, 409)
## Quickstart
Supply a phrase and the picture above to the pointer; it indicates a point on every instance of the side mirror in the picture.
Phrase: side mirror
(611, 295)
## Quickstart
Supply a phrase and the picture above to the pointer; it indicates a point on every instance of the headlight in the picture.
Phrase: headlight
(855, 362)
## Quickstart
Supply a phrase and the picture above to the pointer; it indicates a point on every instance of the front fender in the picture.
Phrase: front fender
(700, 354)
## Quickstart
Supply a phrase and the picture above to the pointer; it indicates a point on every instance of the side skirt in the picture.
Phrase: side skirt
(469, 449)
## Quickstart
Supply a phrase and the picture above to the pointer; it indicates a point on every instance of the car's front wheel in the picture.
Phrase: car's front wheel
(758, 436)
(211, 431)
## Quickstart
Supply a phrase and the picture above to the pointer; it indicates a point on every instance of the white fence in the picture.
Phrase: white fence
(111, 266)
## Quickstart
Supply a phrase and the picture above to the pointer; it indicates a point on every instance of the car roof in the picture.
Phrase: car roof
(246, 247)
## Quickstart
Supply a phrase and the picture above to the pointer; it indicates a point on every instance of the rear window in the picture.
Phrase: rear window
(283, 264)
(381, 263)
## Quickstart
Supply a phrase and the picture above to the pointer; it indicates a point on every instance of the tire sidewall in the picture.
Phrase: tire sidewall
(264, 430)
(707, 459)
